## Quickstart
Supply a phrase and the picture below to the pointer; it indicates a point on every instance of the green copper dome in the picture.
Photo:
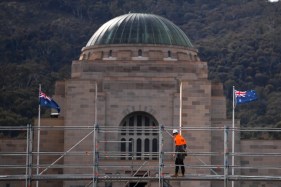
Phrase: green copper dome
(137, 28)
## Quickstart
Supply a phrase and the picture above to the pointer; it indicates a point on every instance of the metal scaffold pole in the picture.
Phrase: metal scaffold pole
(95, 157)
(233, 134)
(226, 153)
(108, 165)
(28, 155)
(27, 168)
(95, 139)
(161, 156)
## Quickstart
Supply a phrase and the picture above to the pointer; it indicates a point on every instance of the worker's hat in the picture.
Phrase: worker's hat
(175, 131)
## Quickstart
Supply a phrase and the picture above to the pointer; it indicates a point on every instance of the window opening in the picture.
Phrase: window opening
(123, 148)
(154, 148)
(140, 52)
(169, 54)
(139, 144)
(131, 148)
(146, 148)
(141, 129)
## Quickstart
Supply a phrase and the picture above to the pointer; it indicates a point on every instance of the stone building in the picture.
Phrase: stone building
(141, 71)
(138, 75)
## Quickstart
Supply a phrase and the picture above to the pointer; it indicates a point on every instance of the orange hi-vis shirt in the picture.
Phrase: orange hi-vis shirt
(179, 140)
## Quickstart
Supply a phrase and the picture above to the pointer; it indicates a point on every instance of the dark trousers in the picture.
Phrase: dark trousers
(179, 164)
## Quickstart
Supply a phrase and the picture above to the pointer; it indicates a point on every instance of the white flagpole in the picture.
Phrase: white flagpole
(96, 101)
(233, 134)
(180, 112)
(38, 135)
(94, 135)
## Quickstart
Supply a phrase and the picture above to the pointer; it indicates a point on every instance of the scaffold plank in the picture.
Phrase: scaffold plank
(198, 177)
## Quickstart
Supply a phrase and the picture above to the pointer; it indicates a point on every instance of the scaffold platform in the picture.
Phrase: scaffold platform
(188, 177)
(158, 162)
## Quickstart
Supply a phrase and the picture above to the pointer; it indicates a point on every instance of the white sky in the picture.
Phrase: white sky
(272, 1)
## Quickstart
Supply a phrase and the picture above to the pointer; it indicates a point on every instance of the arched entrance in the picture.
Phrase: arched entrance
(139, 136)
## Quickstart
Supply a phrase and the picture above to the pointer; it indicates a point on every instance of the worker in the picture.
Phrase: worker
(180, 152)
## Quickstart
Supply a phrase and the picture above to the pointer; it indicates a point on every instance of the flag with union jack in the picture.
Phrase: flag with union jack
(46, 101)
(245, 96)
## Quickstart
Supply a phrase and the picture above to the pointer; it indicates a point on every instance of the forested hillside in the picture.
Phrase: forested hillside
(240, 40)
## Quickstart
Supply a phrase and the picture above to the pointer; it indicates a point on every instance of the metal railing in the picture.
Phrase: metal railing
(24, 166)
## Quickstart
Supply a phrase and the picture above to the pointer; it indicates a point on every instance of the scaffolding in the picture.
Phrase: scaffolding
(135, 162)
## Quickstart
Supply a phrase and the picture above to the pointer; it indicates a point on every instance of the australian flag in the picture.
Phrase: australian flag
(245, 96)
(46, 101)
